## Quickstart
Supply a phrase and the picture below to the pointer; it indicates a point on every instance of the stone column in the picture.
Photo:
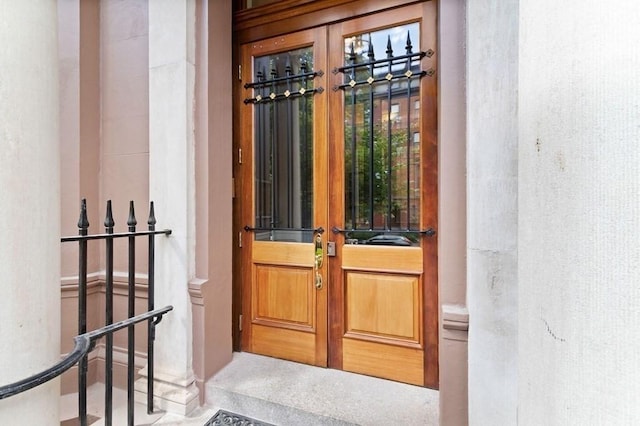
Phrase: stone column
(492, 210)
(29, 208)
(579, 213)
(172, 187)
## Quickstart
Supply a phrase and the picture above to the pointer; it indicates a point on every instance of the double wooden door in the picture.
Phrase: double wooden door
(338, 205)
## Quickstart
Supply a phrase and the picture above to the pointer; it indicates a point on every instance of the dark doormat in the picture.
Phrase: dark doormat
(76, 421)
(226, 418)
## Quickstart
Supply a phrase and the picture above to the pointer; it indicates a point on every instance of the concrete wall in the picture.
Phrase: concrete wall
(29, 208)
(492, 210)
(579, 213)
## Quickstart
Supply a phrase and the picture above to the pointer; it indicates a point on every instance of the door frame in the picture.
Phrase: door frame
(294, 15)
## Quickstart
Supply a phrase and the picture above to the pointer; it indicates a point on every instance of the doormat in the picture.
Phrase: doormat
(226, 418)
(76, 421)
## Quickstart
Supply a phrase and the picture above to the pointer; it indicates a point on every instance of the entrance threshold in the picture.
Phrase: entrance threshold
(288, 393)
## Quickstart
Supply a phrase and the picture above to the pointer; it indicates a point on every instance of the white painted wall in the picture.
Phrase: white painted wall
(579, 213)
(29, 208)
(492, 210)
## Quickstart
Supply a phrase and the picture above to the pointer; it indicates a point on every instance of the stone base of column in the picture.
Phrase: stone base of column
(171, 394)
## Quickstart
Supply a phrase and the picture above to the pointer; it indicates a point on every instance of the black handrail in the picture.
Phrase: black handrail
(83, 344)
(114, 235)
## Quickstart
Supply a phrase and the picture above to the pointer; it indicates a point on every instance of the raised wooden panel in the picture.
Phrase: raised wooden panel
(386, 361)
(288, 344)
(279, 253)
(383, 306)
(284, 294)
(405, 260)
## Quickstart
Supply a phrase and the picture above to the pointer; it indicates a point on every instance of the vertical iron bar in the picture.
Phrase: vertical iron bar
(151, 329)
(409, 136)
(289, 156)
(372, 148)
(354, 157)
(83, 226)
(108, 373)
(131, 222)
(389, 145)
(304, 168)
(260, 157)
(275, 166)
(267, 180)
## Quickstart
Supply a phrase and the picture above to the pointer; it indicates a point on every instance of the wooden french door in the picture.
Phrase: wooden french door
(339, 196)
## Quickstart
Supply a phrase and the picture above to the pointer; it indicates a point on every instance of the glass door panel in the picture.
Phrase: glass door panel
(283, 133)
(382, 151)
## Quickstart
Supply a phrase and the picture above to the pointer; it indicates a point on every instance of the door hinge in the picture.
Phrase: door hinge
(233, 187)
(239, 155)
(240, 72)
(240, 239)
(240, 323)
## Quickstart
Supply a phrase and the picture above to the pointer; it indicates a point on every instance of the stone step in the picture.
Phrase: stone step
(286, 393)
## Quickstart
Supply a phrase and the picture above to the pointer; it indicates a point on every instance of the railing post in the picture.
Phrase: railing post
(108, 373)
(83, 226)
(131, 222)
(151, 328)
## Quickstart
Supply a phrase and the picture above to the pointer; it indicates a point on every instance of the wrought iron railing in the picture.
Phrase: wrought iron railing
(85, 341)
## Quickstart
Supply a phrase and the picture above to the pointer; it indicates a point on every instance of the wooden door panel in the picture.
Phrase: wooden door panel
(284, 295)
(289, 344)
(382, 259)
(386, 361)
(383, 308)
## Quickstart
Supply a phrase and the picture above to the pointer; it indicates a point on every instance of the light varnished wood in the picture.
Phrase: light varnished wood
(407, 260)
(284, 294)
(284, 315)
(384, 306)
(371, 343)
(386, 361)
(289, 16)
(287, 344)
(279, 253)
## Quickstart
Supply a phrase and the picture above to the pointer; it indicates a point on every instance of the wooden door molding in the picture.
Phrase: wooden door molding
(294, 15)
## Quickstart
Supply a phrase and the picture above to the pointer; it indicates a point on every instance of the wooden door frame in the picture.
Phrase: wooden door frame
(294, 15)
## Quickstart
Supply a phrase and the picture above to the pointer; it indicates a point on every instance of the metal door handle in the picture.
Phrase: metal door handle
(319, 259)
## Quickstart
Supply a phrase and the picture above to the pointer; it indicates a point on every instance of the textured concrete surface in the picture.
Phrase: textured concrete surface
(288, 393)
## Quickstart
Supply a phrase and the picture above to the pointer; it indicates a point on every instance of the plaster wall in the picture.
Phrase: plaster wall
(124, 96)
(29, 208)
(452, 213)
(492, 210)
(579, 213)
(211, 289)
(79, 65)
